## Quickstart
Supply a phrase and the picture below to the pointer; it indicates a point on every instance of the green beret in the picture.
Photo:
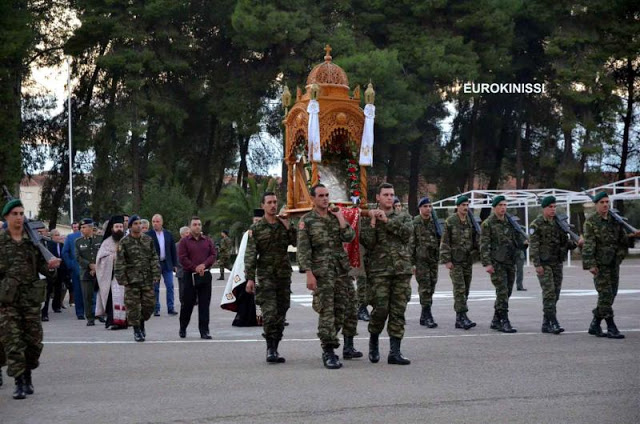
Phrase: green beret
(548, 200)
(461, 199)
(600, 196)
(497, 200)
(11, 205)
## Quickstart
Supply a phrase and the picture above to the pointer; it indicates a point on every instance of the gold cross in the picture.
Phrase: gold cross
(327, 50)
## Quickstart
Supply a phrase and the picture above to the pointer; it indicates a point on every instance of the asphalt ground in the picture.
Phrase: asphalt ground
(93, 375)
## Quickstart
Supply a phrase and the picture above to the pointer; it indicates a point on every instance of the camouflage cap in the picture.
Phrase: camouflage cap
(11, 204)
(548, 200)
(461, 199)
(600, 196)
(496, 200)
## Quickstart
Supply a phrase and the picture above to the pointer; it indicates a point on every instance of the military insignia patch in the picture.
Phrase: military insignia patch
(301, 225)
(250, 233)
(532, 230)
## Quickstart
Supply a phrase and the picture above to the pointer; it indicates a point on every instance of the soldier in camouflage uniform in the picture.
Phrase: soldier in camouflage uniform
(605, 246)
(137, 269)
(86, 251)
(21, 296)
(499, 243)
(224, 254)
(266, 256)
(386, 235)
(425, 254)
(362, 297)
(350, 327)
(549, 245)
(456, 253)
(321, 256)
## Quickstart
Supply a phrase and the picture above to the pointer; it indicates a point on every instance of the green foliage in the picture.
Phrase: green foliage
(233, 210)
(171, 202)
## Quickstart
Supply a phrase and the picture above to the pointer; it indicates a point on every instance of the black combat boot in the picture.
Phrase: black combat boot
(612, 330)
(363, 313)
(495, 321)
(329, 359)
(28, 384)
(595, 329)
(467, 321)
(374, 348)
(423, 315)
(279, 359)
(545, 325)
(395, 356)
(137, 334)
(271, 352)
(555, 319)
(506, 324)
(18, 392)
(554, 326)
(459, 320)
(142, 330)
(348, 350)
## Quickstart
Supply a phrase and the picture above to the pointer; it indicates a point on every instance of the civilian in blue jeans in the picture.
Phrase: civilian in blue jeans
(69, 258)
(166, 249)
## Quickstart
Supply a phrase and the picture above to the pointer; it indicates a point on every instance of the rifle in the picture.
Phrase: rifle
(613, 213)
(436, 223)
(563, 222)
(31, 227)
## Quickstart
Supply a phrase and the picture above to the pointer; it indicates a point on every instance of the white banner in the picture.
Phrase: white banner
(366, 147)
(237, 274)
(314, 131)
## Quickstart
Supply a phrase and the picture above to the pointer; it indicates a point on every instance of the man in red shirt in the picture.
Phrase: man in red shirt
(196, 254)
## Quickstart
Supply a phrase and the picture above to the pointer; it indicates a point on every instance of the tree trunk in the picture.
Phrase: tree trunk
(415, 150)
(518, 156)
(628, 121)
(471, 170)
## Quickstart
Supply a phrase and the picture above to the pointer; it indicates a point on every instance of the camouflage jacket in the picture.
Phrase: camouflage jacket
(388, 245)
(548, 244)
(458, 241)
(425, 248)
(498, 241)
(605, 242)
(226, 246)
(21, 260)
(266, 253)
(86, 252)
(20, 263)
(137, 261)
(320, 244)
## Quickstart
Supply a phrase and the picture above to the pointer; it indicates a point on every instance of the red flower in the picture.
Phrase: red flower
(351, 169)
(352, 161)
(356, 193)
(353, 178)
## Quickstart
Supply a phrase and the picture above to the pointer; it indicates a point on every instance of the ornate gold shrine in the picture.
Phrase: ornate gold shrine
(341, 125)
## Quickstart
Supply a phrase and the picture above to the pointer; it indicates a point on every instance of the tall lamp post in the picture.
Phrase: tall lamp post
(70, 142)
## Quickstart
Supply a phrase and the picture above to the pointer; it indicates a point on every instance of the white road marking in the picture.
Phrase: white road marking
(261, 340)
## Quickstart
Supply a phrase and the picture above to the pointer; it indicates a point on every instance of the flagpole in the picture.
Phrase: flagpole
(70, 143)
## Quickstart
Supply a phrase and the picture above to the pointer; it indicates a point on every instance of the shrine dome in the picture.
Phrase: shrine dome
(328, 73)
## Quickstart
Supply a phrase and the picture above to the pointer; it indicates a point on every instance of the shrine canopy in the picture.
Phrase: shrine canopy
(324, 137)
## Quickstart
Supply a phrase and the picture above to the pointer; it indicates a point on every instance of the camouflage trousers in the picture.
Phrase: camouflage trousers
(140, 301)
(551, 284)
(427, 277)
(329, 301)
(274, 298)
(503, 278)
(606, 282)
(350, 328)
(3, 357)
(21, 335)
(390, 295)
(461, 279)
(362, 291)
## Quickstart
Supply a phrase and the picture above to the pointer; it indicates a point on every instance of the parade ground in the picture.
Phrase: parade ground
(94, 375)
